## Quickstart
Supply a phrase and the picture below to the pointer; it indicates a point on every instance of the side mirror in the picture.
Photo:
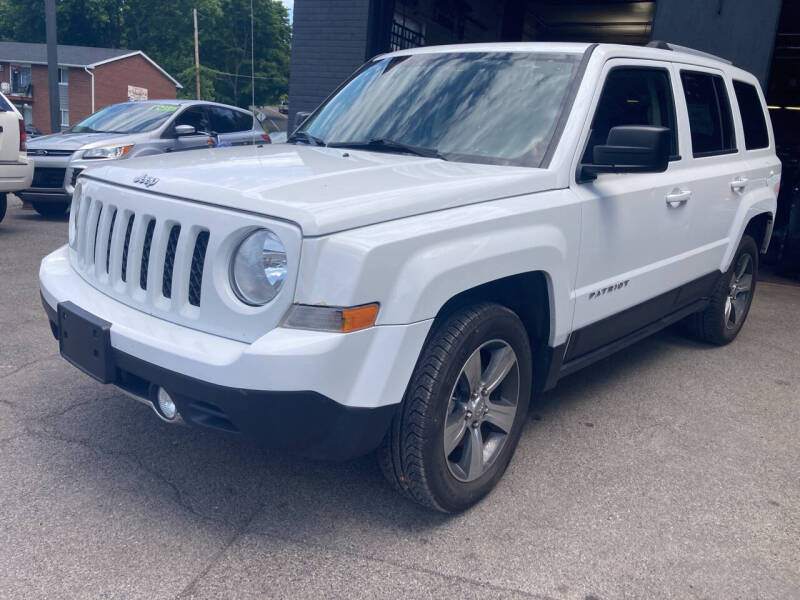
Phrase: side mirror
(181, 130)
(630, 149)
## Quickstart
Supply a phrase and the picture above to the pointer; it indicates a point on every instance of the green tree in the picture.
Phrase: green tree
(164, 31)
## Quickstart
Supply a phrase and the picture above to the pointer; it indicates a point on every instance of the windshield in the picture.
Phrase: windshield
(498, 108)
(130, 117)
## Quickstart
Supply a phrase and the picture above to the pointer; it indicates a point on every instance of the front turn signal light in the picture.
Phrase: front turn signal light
(331, 318)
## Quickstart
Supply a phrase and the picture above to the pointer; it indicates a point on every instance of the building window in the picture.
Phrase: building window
(64, 118)
(406, 33)
(21, 80)
(63, 75)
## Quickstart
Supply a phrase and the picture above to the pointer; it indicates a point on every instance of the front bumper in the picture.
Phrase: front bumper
(321, 394)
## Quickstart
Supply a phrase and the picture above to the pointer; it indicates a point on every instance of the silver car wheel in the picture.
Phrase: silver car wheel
(482, 410)
(738, 299)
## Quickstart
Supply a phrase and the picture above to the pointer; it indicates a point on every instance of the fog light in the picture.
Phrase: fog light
(166, 406)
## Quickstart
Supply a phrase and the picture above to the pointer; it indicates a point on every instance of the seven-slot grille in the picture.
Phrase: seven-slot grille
(176, 254)
(131, 251)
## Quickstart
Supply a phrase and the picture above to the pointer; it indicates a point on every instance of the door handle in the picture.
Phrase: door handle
(678, 198)
(738, 184)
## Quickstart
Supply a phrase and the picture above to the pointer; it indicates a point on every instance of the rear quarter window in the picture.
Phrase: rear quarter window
(710, 120)
(753, 121)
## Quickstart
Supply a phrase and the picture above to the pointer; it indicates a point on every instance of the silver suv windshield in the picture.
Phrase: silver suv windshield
(493, 107)
(129, 117)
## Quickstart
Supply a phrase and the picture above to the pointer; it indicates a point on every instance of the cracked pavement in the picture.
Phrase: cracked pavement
(667, 471)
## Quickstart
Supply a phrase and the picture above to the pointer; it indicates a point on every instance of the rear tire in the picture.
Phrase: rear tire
(50, 209)
(727, 311)
(463, 412)
(3, 206)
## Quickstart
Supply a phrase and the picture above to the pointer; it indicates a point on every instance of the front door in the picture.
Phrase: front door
(635, 227)
(197, 117)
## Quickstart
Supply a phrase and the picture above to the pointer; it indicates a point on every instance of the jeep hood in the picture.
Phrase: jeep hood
(323, 190)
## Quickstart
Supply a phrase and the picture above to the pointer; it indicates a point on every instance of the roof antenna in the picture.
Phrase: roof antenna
(252, 72)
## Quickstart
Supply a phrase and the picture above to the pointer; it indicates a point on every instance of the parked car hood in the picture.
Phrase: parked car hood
(74, 141)
(322, 189)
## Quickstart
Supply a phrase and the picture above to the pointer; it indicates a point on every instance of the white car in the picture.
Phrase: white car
(16, 169)
(453, 230)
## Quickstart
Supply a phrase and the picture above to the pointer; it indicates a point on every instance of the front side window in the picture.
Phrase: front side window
(633, 96)
(222, 120)
(710, 119)
(194, 116)
(486, 107)
(753, 122)
(129, 117)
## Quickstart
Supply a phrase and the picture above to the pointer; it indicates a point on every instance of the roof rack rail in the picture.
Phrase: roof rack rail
(676, 48)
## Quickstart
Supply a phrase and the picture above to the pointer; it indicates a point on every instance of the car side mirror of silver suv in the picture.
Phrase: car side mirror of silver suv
(181, 130)
(630, 149)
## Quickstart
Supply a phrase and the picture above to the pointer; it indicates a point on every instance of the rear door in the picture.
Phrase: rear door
(716, 169)
(9, 132)
(635, 248)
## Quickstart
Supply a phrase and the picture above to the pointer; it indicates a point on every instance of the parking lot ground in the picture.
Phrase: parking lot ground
(671, 470)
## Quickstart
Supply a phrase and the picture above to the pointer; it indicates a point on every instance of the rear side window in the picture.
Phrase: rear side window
(710, 118)
(633, 96)
(753, 122)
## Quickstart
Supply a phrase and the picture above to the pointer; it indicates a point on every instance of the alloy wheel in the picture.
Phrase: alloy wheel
(739, 292)
(482, 410)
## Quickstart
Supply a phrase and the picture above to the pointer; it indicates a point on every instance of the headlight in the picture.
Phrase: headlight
(258, 268)
(109, 152)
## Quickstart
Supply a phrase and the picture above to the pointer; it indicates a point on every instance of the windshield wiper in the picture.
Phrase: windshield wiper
(387, 144)
(302, 136)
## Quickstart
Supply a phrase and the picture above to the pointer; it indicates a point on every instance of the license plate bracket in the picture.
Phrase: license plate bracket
(85, 341)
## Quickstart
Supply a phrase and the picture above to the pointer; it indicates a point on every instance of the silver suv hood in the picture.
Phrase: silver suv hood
(323, 190)
(76, 141)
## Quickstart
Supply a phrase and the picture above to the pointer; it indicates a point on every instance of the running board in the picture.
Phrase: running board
(585, 360)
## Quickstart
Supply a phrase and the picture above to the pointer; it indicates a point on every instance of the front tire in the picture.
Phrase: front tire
(463, 412)
(725, 315)
(50, 209)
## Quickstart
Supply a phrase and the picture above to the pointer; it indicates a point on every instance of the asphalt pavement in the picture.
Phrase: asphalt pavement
(671, 470)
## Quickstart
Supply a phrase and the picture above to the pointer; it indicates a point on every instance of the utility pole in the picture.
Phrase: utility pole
(196, 54)
(52, 65)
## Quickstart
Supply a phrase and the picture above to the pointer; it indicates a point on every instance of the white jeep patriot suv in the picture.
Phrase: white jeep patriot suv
(454, 229)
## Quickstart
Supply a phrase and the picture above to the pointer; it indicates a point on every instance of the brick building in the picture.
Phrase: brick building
(89, 79)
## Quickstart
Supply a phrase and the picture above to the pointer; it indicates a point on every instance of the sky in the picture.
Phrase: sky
(289, 4)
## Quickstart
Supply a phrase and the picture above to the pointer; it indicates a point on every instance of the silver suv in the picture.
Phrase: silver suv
(127, 130)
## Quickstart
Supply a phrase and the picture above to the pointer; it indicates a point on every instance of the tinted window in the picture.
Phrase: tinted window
(709, 113)
(633, 96)
(244, 121)
(488, 107)
(755, 127)
(222, 120)
(194, 116)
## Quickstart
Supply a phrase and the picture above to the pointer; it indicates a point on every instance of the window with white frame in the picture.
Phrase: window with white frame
(63, 75)
(64, 117)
